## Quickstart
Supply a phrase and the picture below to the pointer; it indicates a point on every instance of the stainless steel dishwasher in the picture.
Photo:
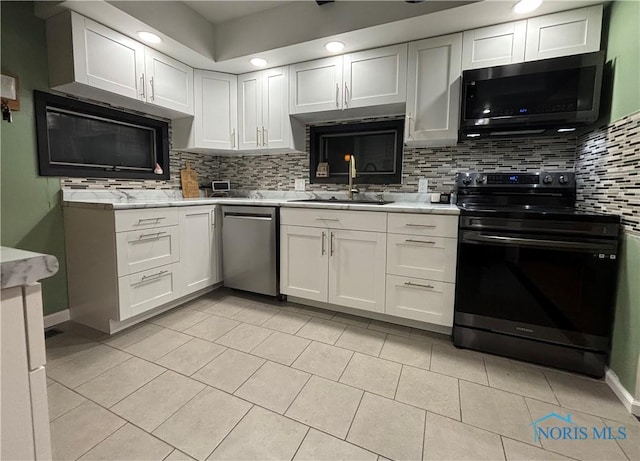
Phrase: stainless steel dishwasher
(250, 249)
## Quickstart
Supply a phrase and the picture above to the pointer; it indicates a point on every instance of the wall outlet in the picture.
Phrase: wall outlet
(300, 184)
(423, 185)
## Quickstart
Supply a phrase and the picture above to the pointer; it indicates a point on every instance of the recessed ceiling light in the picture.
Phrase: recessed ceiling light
(258, 62)
(149, 37)
(334, 47)
(526, 6)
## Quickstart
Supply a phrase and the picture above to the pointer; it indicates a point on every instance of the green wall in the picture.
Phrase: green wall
(30, 212)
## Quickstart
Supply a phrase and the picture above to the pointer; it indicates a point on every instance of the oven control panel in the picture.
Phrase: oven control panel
(516, 180)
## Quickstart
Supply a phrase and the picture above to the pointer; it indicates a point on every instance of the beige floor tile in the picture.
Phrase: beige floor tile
(66, 347)
(256, 314)
(391, 328)
(589, 449)
(518, 378)
(362, 340)
(62, 400)
(325, 331)
(588, 396)
(431, 337)
(461, 363)
(390, 428)
(129, 444)
(320, 446)
(495, 410)
(88, 365)
(244, 337)
(323, 360)
(229, 370)
(212, 328)
(177, 455)
(158, 344)
(631, 443)
(372, 374)
(152, 404)
(199, 426)
(117, 383)
(71, 327)
(431, 391)
(180, 318)
(326, 405)
(281, 348)
(287, 322)
(519, 451)
(408, 351)
(308, 310)
(132, 335)
(273, 386)
(354, 320)
(261, 435)
(227, 307)
(191, 356)
(448, 439)
(79, 430)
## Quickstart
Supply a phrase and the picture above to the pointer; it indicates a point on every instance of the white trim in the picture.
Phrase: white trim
(632, 405)
(56, 318)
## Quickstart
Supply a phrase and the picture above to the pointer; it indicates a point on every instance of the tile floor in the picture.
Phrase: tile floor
(228, 377)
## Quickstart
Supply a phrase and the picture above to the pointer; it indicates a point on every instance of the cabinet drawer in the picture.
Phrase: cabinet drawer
(373, 221)
(423, 224)
(146, 249)
(140, 292)
(432, 258)
(422, 300)
(149, 218)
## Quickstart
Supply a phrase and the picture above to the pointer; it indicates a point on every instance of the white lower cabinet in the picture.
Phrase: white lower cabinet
(418, 299)
(146, 249)
(304, 260)
(432, 258)
(143, 291)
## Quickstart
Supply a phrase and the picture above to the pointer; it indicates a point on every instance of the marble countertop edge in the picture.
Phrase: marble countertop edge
(21, 267)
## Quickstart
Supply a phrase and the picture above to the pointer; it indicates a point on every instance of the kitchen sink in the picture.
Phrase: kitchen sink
(336, 200)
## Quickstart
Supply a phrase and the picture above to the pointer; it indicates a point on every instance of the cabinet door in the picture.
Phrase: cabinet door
(169, 82)
(250, 111)
(138, 293)
(419, 299)
(494, 46)
(433, 90)
(276, 127)
(375, 77)
(304, 253)
(106, 59)
(357, 269)
(215, 110)
(316, 86)
(563, 34)
(198, 249)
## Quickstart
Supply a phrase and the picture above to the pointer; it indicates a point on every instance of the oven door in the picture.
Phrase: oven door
(552, 288)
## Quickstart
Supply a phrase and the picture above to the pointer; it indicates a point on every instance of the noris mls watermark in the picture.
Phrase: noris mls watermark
(557, 427)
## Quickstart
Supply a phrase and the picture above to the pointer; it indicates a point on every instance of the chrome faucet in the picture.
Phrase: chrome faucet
(352, 174)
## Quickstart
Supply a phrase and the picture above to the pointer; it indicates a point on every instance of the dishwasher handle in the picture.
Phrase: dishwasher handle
(252, 216)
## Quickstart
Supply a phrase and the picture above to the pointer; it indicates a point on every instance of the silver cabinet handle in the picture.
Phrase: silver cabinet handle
(153, 91)
(233, 138)
(409, 118)
(323, 236)
(430, 242)
(411, 284)
(157, 274)
(428, 226)
(142, 85)
(155, 235)
(337, 95)
(346, 95)
(158, 218)
(327, 219)
(331, 245)
(257, 137)
(264, 136)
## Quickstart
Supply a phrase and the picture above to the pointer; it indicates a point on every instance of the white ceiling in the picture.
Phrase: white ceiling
(221, 11)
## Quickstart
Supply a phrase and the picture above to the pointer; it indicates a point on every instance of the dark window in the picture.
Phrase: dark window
(79, 139)
(377, 147)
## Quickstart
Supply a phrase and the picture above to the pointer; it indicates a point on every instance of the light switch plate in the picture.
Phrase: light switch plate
(300, 183)
(423, 185)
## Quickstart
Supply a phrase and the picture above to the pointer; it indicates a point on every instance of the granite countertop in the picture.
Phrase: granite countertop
(20, 267)
(118, 200)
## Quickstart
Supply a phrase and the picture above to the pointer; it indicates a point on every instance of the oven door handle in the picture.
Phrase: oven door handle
(529, 242)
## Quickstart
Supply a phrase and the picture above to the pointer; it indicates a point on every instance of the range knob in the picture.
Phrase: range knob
(480, 179)
(466, 180)
(548, 179)
(562, 179)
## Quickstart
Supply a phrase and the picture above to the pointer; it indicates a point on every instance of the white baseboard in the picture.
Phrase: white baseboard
(632, 405)
(56, 318)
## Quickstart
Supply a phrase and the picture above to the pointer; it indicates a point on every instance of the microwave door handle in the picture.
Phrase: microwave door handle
(529, 242)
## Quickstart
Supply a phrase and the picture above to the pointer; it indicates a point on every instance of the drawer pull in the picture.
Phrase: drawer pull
(152, 276)
(420, 241)
(155, 235)
(141, 220)
(327, 219)
(428, 226)
(411, 284)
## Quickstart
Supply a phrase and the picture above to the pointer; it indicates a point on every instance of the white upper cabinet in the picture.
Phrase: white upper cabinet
(562, 34)
(169, 82)
(375, 77)
(433, 90)
(494, 46)
(316, 86)
(263, 110)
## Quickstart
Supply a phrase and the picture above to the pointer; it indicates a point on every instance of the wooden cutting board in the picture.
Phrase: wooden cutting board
(189, 180)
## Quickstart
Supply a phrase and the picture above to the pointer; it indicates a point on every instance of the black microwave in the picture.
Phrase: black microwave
(557, 94)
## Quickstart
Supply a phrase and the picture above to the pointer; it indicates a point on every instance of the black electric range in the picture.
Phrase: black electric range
(535, 277)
